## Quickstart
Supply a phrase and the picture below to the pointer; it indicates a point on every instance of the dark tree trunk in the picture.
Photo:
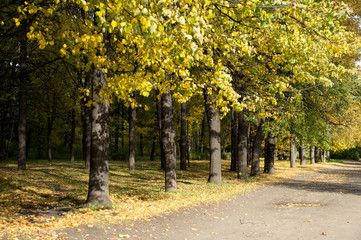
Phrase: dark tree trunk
(293, 153)
(98, 191)
(87, 131)
(4, 129)
(270, 154)
(203, 134)
(22, 157)
(167, 140)
(214, 124)
(141, 145)
(317, 154)
(312, 154)
(234, 140)
(243, 127)
(122, 127)
(249, 144)
(155, 139)
(132, 119)
(302, 154)
(159, 117)
(183, 137)
(72, 136)
(256, 150)
(117, 128)
(50, 136)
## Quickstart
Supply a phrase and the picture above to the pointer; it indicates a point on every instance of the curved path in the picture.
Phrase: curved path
(315, 205)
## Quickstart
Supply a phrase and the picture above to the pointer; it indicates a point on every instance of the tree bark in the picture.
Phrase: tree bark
(256, 150)
(293, 153)
(159, 118)
(72, 136)
(234, 141)
(270, 153)
(183, 137)
(22, 157)
(312, 154)
(323, 156)
(243, 127)
(167, 140)
(328, 155)
(214, 124)
(87, 125)
(203, 134)
(98, 191)
(50, 137)
(132, 120)
(302, 154)
(317, 154)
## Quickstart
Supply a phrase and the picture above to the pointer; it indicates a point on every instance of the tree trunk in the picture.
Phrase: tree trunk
(159, 117)
(243, 127)
(98, 191)
(312, 154)
(317, 154)
(323, 156)
(234, 141)
(72, 136)
(50, 137)
(302, 154)
(328, 155)
(4, 129)
(183, 137)
(270, 154)
(256, 150)
(141, 145)
(167, 140)
(293, 153)
(214, 124)
(203, 134)
(87, 125)
(154, 145)
(132, 119)
(22, 157)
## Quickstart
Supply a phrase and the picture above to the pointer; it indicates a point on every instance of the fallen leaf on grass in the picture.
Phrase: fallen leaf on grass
(124, 236)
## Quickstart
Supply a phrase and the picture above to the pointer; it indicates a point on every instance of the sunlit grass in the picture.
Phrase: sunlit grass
(48, 197)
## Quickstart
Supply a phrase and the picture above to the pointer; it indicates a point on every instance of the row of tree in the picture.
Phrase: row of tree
(281, 69)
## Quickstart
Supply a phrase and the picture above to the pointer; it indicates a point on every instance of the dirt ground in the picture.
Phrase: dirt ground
(325, 204)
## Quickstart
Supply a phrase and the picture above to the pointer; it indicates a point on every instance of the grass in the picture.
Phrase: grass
(48, 197)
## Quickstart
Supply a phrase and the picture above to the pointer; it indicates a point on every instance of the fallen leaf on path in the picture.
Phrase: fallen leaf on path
(323, 233)
(349, 221)
(124, 236)
(194, 229)
(309, 220)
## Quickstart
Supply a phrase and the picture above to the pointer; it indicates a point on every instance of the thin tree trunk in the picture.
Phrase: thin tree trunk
(87, 124)
(117, 128)
(4, 128)
(302, 154)
(214, 124)
(132, 119)
(243, 127)
(203, 134)
(234, 140)
(293, 153)
(98, 191)
(141, 145)
(167, 140)
(312, 154)
(256, 150)
(323, 156)
(183, 137)
(159, 118)
(22, 157)
(72, 136)
(270, 154)
(317, 154)
(50, 135)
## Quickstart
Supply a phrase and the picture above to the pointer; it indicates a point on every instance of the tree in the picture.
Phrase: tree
(183, 138)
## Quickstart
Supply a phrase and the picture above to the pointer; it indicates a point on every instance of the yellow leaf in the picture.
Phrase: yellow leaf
(114, 24)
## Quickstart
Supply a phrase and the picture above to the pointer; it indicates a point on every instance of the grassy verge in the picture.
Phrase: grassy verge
(48, 197)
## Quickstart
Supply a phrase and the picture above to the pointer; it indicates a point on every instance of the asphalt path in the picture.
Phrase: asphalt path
(325, 204)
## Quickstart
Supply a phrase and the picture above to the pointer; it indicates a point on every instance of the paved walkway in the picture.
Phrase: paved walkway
(315, 205)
